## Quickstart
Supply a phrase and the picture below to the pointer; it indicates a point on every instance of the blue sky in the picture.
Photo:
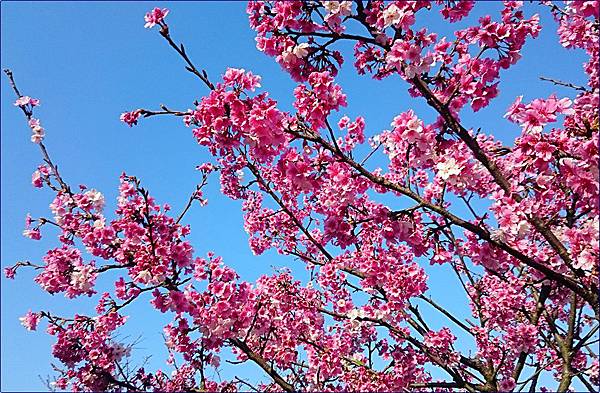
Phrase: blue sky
(88, 62)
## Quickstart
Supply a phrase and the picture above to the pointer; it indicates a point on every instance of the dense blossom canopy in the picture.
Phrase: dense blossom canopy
(528, 264)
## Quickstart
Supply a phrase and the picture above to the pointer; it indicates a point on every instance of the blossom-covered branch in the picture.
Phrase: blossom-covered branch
(527, 263)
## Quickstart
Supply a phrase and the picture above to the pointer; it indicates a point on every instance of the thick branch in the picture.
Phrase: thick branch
(259, 360)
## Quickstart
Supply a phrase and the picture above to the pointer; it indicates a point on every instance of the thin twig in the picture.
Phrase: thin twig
(565, 84)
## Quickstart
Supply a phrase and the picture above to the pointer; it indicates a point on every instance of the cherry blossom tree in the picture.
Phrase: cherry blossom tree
(528, 264)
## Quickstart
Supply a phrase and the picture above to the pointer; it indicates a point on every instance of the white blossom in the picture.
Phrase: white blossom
(448, 168)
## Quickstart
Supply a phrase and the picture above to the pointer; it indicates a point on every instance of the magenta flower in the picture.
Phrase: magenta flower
(33, 234)
(155, 17)
(30, 320)
(131, 118)
(26, 100)
(10, 272)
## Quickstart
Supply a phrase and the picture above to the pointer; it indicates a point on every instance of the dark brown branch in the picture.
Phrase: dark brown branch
(446, 313)
(565, 84)
(260, 361)
(203, 76)
(448, 385)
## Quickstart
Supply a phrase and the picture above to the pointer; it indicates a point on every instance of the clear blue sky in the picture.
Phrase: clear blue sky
(88, 62)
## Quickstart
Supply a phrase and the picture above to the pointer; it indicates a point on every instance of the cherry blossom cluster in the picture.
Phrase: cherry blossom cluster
(155, 17)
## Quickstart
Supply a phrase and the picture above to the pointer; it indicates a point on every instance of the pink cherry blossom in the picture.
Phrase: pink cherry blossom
(33, 234)
(155, 17)
(30, 320)
(10, 272)
(26, 100)
(130, 118)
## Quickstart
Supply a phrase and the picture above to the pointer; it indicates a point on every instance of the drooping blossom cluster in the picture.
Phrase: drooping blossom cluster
(323, 97)
(155, 17)
(26, 100)
(535, 115)
(130, 118)
(30, 320)
(515, 227)
(87, 347)
(65, 271)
